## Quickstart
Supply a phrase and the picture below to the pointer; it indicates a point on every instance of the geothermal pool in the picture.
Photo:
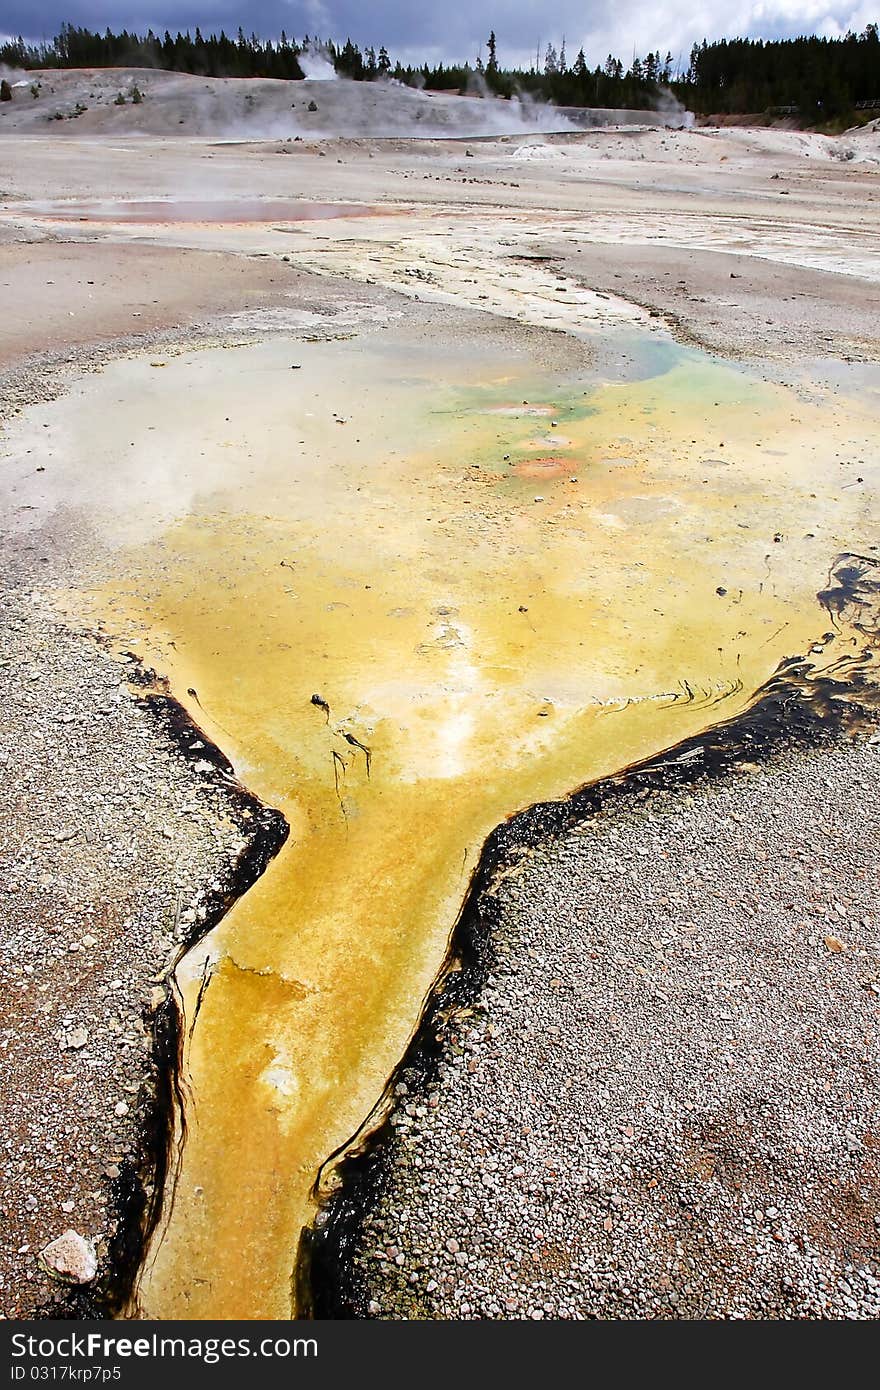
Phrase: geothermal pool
(156, 212)
(499, 584)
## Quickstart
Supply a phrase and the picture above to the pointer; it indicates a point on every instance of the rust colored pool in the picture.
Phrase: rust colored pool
(224, 210)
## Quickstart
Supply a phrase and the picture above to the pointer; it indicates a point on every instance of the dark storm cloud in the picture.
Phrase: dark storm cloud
(457, 30)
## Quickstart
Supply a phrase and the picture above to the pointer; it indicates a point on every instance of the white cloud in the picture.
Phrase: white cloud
(639, 26)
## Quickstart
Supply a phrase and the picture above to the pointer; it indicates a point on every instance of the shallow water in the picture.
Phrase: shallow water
(502, 585)
(159, 211)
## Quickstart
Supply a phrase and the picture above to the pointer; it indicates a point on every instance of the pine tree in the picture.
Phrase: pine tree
(492, 64)
(349, 61)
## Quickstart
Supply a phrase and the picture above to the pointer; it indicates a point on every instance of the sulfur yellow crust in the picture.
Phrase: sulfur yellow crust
(367, 530)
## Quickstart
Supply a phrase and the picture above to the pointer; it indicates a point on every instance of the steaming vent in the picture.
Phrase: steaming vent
(317, 66)
(147, 101)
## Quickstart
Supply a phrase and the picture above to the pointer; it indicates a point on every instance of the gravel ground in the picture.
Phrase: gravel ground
(117, 844)
(663, 1102)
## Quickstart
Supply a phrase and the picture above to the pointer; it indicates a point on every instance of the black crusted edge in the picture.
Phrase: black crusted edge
(796, 707)
(137, 1194)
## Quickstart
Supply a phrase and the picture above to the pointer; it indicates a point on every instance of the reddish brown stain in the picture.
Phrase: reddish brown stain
(544, 468)
(226, 210)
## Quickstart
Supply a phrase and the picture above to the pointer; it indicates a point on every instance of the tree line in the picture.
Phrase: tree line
(820, 78)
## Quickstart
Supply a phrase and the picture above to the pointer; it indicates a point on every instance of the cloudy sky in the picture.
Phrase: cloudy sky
(455, 29)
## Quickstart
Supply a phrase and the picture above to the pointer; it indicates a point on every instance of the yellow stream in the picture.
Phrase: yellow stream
(328, 531)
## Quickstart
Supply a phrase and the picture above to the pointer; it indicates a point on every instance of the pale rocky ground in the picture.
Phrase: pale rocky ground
(756, 243)
(88, 100)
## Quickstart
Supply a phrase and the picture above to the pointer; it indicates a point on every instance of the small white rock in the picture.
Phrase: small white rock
(71, 1258)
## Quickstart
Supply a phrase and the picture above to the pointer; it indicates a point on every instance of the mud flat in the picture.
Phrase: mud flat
(413, 512)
